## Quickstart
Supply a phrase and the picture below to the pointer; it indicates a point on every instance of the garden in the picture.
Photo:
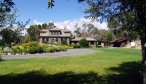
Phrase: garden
(32, 48)
(36, 47)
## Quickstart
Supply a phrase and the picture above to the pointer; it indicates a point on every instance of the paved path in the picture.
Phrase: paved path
(69, 52)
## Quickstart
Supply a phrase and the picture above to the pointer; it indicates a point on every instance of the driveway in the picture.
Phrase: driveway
(69, 52)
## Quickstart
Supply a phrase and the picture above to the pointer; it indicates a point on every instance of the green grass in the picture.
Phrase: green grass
(96, 68)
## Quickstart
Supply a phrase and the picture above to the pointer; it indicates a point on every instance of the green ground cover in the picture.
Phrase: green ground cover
(106, 66)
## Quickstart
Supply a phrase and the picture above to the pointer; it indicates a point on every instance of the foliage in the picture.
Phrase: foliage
(9, 36)
(76, 46)
(104, 35)
(1, 52)
(87, 30)
(34, 47)
(98, 46)
(34, 32)
(109, 36)
(2, 44)
(84, 43)
(69, 46)
(7, 7)
(64, 42)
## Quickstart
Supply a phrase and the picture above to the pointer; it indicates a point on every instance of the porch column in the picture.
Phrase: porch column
(68, 41)
(89, 43)
(41, 40)
(59, 40)
(49, 40)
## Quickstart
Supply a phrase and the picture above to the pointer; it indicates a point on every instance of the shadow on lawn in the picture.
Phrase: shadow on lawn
(129, 74)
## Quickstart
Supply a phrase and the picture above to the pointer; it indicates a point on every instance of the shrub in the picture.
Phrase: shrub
(76, 46)
(1, 52)
(64, 42)
(16, 49)
(34, 47)
(47, 50)
(98, 46)
(69, 46)
(84, 43)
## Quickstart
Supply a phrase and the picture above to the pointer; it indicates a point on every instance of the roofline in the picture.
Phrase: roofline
(79, 40)
(54, 36)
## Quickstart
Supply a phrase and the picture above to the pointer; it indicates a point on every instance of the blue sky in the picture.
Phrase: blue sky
(65, 13)
(37, 10)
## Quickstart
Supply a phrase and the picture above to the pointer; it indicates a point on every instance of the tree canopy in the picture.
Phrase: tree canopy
(86, 30)
(7, 9)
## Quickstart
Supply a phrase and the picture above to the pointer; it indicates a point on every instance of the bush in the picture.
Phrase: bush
(16, 49)
(76, 46)
(69, 46)
(84, 43)
(34, 47)
(64, 42)
(98, 46)
(1, 52)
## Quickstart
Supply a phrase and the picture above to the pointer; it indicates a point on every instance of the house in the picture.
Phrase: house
(56, 36)
(119, 42)
(91, 41)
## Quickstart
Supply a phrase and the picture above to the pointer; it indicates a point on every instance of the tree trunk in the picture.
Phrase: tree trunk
(143, 46)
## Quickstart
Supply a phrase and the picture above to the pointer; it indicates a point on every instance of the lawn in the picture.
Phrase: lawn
(106, 66)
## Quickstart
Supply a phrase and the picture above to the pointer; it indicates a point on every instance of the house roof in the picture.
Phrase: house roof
(64, 32)
(119, 40)
(44, 30)
(55, 29)
(87, 38)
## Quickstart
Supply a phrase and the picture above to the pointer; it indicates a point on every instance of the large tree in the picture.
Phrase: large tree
(129, 15)
(86, 30)
(34, 32)
(10, 36)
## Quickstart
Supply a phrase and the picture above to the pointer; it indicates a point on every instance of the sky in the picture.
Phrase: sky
(64, 13)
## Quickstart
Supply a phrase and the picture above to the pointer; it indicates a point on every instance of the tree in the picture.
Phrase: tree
(87, 30)
(7, 22)
(64, 42)
(6, 13)
(44, 26)
(84, 43)
(104, 35)
(128, 15)
(77, 31)
(34, 32)
(9, 36)
(51, 25)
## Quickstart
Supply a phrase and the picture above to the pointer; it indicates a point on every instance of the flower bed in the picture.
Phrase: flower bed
(34, 47)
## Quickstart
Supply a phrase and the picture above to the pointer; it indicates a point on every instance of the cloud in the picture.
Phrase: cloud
(70, 24)
(36, 22)
(27, 26)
